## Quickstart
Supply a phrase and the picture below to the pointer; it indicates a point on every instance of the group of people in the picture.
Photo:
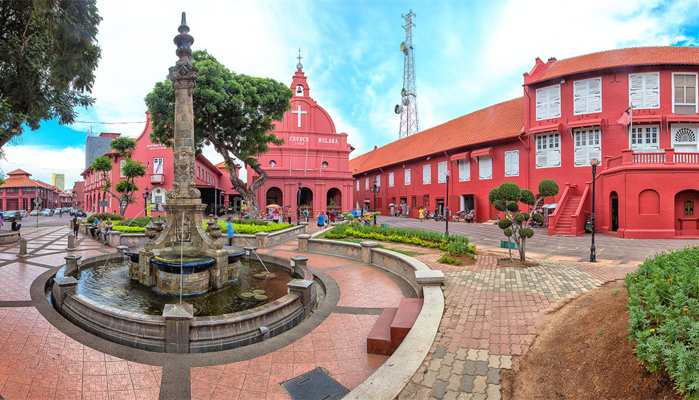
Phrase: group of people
(98, 230)
(325, 218)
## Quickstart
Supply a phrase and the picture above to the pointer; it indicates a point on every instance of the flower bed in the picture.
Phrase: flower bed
(251, 228)
(128, 229)
(664, 316)
(455, 246)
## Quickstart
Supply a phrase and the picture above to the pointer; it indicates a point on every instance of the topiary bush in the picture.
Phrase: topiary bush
(514, 224)
(664, 316)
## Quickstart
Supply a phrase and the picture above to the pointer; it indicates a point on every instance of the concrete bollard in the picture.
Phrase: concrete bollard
(178, 319)
(114, 239)
(72, 263)
(305, 226)
(22, 248)
(303, 242)
(304, 289)
(71, 243)
(298, 264)
(62, 288)
(366, 250)
(261, 239)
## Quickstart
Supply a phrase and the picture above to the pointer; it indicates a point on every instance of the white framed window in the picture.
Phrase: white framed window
(366, 183)
(684, 93)
(548, 150)
(391, 179)
(121, 168)
(587, 143)
(407, 176)
(441, 172)
(356, 185)
(587, 96)
(485, 167)
(426, 174)
(158, 166)
(644, 90)
(377, 180)
(512, 163)
(464, 170)
(684, 137)
(644, 138)
(548, 102)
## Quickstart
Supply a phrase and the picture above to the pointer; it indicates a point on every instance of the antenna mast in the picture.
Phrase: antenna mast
(408, 106)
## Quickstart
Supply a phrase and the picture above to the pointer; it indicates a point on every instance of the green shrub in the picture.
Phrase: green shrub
(128, 229)
(249, 228)
(414, 237)
(140, 221)
(103, 216)
(664, 316)
(457, 248)
(447, 259)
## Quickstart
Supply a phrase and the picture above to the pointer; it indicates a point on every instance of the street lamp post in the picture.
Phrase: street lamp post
(375, 189)
(145, 202)
(446, 208)
(298, 205)
(593, 250)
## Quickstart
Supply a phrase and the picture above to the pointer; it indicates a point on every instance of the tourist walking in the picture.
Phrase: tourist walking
(305, 214)
(76, 226)
(421, 214)
(230, 230)
(321, 220)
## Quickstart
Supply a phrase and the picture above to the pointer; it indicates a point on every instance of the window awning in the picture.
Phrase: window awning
(683, 118)
(460, 156)
(586, 122)
(645, 119)
(485, 152)
(545, 128)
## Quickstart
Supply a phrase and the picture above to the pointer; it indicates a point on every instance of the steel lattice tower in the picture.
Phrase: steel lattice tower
(407, 108)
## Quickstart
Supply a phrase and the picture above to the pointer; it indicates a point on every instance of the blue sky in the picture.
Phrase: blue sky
(469, 54)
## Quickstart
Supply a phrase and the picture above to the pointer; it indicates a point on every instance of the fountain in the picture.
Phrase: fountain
(183, 291)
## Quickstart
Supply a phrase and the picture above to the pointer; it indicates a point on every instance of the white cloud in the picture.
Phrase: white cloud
(41, 162)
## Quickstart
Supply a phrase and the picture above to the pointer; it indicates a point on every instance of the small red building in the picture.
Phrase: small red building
(78, 194)
(20, 192)
(634, 110)
(311, 168)
(212, 181)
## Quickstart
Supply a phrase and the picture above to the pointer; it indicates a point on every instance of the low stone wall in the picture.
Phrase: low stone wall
(177, 331)
(391, 377)
(9, 237)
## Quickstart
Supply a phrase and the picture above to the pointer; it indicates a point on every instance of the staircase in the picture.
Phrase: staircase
(392, 327)
(566, 224)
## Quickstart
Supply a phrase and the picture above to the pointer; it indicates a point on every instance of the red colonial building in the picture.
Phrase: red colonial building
(634, 110)
(211, 180)
(311, 167)
(20, 192)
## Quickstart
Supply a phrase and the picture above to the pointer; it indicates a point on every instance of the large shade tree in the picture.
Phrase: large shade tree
(48, 55)
(233, 112)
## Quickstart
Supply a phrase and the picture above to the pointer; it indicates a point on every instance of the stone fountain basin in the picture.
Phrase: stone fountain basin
(186, 265)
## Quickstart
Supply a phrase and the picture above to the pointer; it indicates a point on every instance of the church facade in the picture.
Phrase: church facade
(634, 111)
(310, 170)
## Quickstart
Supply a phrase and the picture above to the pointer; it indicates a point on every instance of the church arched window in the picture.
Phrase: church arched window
(299, 90)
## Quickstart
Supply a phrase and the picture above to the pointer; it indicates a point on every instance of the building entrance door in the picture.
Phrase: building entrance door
(614, 204)
(686, 213)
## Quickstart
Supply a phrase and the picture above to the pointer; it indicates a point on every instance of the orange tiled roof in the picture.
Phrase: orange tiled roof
(635, 56)
(499, 121)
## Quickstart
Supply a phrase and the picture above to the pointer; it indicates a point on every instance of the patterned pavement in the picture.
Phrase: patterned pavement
(491, 316)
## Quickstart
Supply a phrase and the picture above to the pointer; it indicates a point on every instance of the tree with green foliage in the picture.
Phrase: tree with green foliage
(547, 188)
(130, 170)
(232, 112)
(514, 223)
(48, 55)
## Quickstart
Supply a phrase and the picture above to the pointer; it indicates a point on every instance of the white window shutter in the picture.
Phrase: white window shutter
(442, 172)
(636, 90)
(580, 93)
(540, 103)
(485, 167)
(555, 102)
(464, 170)
(512, 163)
(652, 90)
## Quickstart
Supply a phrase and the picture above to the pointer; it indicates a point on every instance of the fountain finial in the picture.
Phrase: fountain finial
(184, 40)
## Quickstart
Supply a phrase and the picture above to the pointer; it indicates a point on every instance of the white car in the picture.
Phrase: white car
(34, 213)
(47, 212)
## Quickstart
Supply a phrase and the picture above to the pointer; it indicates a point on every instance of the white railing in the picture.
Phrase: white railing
(686, 158)
(649, 158)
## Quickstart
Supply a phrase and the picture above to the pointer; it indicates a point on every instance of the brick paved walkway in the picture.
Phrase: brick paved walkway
(490, 316)
(542, 246)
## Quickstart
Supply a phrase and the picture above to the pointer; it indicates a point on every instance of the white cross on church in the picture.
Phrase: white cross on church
(298, 113)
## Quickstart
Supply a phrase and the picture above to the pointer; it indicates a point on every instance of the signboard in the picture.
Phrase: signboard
(505, 244)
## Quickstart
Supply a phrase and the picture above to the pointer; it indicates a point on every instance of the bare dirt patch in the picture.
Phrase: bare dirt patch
(583, 353)
(515, 262)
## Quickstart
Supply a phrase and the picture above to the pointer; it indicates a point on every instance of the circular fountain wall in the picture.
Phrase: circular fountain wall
(101, 298)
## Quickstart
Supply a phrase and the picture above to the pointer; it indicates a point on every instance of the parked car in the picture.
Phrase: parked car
(34, 212)
(23, 213)
(11, 215)
(47, 212)
(78, 213)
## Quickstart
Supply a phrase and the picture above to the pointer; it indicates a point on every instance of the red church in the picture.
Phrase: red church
(310, 170)
(632, 110)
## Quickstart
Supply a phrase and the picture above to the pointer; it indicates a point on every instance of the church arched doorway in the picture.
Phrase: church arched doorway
(613, 212)
(334, 200)
(687, 213)
(306, 200)
(274, 196)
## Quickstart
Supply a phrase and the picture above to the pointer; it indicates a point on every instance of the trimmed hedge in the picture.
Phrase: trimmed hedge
(103, 216)
(128, 229)
(664, 317)
(249, 228)
(434, 240)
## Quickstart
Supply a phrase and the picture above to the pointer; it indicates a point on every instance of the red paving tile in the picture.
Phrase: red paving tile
(16, 280)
